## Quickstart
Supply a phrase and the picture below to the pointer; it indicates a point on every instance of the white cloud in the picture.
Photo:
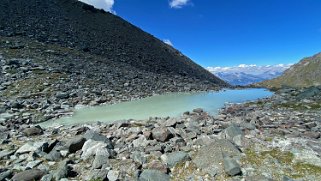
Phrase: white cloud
(107, 5)
(178, 3)
(252, 68)
(168, 42)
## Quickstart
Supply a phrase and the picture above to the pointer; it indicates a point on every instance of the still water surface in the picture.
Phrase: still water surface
(173, 104)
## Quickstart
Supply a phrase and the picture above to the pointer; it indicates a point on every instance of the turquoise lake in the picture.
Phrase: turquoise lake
(173, 104)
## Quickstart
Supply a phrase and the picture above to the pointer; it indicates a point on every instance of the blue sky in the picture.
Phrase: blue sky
(230, 32)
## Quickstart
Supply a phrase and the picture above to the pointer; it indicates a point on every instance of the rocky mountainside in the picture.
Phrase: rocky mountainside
(73, 24)
(306, 73)
(56, 54)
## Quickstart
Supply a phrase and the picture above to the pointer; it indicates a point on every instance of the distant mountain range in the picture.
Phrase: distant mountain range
(248, 74)
(306, 73)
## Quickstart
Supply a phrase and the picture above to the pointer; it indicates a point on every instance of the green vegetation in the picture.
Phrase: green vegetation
(96, 179)
(299, 106)
(286, 159)
(306, 168)
(306, 73)
(281, 156)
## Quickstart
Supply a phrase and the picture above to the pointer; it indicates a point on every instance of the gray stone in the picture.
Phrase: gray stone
(3, 128)
(311, 125)
(62, 95)
(286, 178)
(238, 140)
(248, 126)
(33, 131)
(6, 153)
(171, 122)
(140, 142)
(198, 110)
(5, 116)
(29, 175)
(47, 177)
(157, 165)
(153, 175)
(91, 147)
(75, 144)
(54, 155)
(113, 175)
(5, 174)
(177, 157)
(231, 167)
(98, 137)
(161, 134)
(233, 131)
(62, 170)
(139, 157)
(212, 154)
(30, 147)
(33, 164)
(101, 158)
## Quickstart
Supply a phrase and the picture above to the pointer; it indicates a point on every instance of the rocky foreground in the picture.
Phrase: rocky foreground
(270, 139)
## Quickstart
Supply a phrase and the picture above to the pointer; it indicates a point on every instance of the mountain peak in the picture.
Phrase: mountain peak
(244, 74)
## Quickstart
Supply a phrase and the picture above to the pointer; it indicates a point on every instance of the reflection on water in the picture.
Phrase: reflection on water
(173, 104)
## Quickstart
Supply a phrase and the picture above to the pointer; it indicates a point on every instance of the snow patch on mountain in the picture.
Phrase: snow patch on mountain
(244, 74)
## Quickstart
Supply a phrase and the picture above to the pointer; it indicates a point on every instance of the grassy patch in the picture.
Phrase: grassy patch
(307, 169)
(284, 157)
(299, 106)
(287, 166)
(33, 85)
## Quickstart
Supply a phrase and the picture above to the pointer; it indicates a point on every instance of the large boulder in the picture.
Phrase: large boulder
(174, 158)
(91, 147)
(231, 167)
(153, 175)
(75, 144)
(161, 134)
(29, 175)
(61, 171)
(33, 131)
(30, 147)
(101, 158)
(54, 155)
(210, 157)
(5, 174)
(92, 135)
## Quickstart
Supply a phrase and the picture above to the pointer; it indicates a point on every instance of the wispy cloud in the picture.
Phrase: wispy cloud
(106, 5)
(178, 3)
(168, 42)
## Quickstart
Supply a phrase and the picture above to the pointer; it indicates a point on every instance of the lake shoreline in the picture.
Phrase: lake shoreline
(261, 139)
(165, 105)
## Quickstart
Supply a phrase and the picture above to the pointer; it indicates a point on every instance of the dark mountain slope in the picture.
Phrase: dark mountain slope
(74, 24)
(306, 73)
